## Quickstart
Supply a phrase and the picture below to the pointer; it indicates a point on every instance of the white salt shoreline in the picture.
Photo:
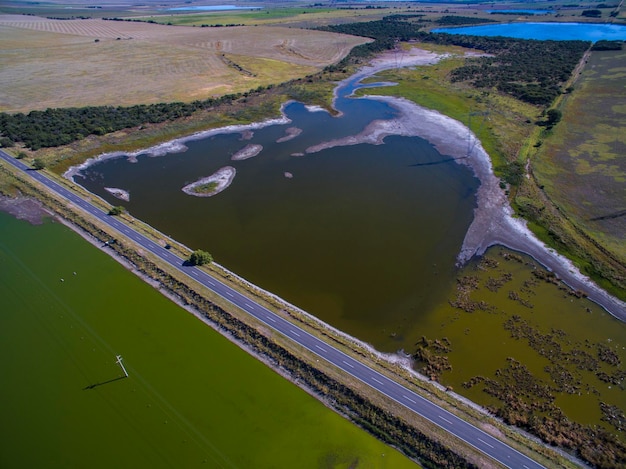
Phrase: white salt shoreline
(177, 145)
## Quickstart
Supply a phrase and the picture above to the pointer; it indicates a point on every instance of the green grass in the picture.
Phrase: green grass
(241, 17)
(205, 188)
(192, 397)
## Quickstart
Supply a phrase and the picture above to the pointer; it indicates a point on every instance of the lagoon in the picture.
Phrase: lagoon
(545, 31)
(365, 237)
(214, 8)
(268, 201)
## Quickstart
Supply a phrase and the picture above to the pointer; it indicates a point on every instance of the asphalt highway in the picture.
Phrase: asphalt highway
(438, 416)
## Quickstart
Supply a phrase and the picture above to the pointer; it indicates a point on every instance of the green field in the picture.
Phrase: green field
(191, 398)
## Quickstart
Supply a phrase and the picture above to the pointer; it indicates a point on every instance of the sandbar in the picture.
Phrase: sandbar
(223, 177)
(247, 152)
(290, 133)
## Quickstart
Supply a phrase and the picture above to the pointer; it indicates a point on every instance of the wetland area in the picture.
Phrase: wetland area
(369, 220)
(365, 233)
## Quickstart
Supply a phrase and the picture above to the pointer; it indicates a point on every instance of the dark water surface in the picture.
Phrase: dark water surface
(364, 237)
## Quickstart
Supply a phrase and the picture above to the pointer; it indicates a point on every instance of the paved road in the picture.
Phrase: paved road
(489, 445)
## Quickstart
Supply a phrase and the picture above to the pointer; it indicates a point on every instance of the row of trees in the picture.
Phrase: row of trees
(531, 71)
(61, 126)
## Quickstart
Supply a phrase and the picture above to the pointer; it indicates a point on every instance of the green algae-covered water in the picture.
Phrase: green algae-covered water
(192, 398)
(503, 321)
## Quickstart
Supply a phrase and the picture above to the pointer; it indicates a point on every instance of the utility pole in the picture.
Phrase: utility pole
(119, 362)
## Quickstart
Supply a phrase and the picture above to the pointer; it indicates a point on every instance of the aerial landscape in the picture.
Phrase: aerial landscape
(336, 234)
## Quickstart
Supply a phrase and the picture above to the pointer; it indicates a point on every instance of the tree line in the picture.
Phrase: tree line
(61, 126)
(529, 70)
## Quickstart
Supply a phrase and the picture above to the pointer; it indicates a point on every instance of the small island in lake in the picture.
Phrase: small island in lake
(118, 193)
(213, 184)
(247, 152)
(290, 133)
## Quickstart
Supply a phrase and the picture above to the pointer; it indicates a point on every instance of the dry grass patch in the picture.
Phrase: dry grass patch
(74, 63)
(582, 165)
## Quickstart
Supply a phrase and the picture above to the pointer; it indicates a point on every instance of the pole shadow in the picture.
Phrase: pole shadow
(95, 385)
(433, 163)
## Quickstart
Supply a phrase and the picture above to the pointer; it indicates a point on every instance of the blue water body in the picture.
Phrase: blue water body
(523, 12)
(545, 31)
(213, 8)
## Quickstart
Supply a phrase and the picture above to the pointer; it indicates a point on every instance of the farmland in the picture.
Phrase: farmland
(43, 64)
(583, 154)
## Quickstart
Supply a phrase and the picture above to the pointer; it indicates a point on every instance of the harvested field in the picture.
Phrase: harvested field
(52, 63)
(582, 165)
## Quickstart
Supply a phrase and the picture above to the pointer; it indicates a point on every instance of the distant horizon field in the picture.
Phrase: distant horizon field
(191, 398)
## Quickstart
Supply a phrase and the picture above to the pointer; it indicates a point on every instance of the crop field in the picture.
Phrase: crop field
(48, 63)
(305, 17)
(582, 165)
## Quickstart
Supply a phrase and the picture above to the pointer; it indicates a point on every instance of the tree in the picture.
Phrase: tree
(199, 257)
(117, 210)
(38, 164)
(554, 116)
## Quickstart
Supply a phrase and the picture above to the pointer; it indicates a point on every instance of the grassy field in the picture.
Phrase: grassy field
(74, 63)
(304, 16)
(582, 165)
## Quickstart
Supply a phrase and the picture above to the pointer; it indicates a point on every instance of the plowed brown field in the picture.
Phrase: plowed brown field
(63, 63)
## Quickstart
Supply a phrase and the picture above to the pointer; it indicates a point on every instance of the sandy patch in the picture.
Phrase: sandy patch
(246, 152)
(23, 208)
(118, 193)
(312, 108)
(290, 133)
(247, 134)
(223, 177)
